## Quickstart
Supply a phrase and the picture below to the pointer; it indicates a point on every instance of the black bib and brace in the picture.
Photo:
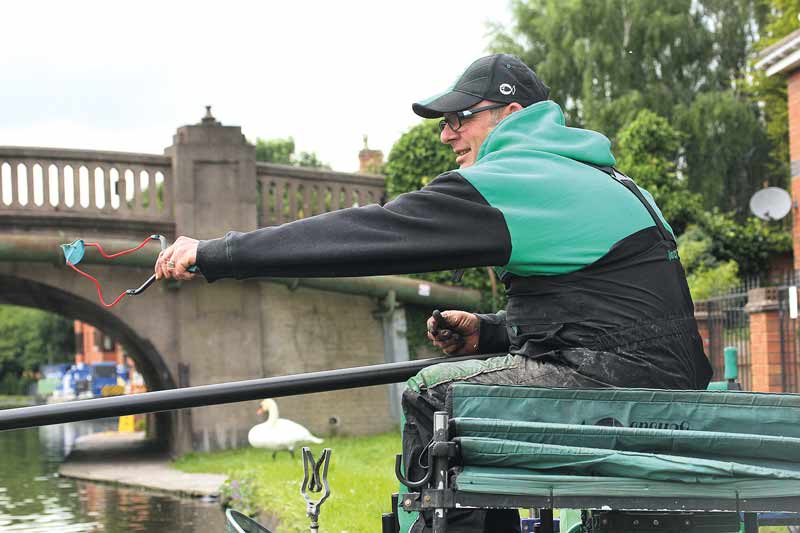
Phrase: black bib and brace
(625, 320)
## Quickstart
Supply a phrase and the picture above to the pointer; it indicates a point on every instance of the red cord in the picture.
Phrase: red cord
(123, 252)
(107, 256)
(97, 284)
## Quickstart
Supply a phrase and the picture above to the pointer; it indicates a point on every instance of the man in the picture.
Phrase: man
(597, 296)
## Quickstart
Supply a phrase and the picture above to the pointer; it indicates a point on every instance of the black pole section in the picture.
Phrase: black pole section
(236, 391)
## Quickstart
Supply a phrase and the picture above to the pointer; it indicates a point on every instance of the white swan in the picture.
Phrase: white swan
(278, 433)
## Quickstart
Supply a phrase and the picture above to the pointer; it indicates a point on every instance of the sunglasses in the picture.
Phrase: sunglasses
(455, 120)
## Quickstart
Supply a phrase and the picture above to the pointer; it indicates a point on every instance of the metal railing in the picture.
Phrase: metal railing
(723, 322)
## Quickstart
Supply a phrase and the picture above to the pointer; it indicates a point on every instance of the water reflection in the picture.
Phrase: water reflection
(34, 499)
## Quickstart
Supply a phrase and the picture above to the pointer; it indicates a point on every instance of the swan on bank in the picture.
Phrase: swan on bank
(278, 433)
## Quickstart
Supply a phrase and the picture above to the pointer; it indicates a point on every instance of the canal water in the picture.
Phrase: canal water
(34, 499)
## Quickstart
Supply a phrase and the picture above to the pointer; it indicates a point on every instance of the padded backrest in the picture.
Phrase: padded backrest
(716, 411)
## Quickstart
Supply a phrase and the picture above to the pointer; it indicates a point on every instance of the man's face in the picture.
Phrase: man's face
(468, 139)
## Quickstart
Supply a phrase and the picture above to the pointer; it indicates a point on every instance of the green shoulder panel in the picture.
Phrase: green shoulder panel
(562, 214)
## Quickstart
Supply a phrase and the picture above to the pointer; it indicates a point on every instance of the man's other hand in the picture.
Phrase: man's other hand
(175, 261)
(458, 336)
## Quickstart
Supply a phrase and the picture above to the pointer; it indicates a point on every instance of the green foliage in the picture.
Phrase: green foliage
(726, 151)
(694, 248)
(718, 251)
(240, 494)
(715, 246)
(707, 283)
(28, 339)
(281, 151)
(652, 54)
(781, 20)
(416, 159)
(771, 91)
(750, 244)
(648, 152)
(783, 17)
(707, 276)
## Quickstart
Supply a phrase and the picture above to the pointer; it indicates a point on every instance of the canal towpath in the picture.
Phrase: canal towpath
(129, 459)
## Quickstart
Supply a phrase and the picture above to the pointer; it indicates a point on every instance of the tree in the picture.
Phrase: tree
(596, 52)
(750, 243)
(30, 338)
(707, 276)
(416, 159)
(686, 60)
(782, 18)
(726, 149)
(281, 151)
(648, 152)
(275, 150)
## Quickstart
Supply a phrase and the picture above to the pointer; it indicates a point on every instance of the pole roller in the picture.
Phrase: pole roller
(220, 393)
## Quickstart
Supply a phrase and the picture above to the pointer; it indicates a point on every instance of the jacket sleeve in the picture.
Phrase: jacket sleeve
(446, 225)
(493, 333)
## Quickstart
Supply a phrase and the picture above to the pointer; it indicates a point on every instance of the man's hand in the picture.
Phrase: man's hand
(174, 262)
(465, 325)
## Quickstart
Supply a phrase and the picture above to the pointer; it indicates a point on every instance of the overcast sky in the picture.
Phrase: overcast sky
(123, 76)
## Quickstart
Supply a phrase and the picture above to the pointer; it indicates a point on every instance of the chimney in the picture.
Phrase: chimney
(370, 161)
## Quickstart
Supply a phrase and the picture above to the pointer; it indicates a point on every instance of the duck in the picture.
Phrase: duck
(278, 433)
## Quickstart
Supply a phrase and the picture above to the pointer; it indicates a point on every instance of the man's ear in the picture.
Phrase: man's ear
(513, 107)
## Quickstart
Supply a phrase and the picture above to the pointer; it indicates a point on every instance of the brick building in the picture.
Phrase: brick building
(783, 59)
(773, 338)
(94, 346)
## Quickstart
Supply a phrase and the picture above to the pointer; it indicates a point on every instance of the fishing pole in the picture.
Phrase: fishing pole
(220, 393)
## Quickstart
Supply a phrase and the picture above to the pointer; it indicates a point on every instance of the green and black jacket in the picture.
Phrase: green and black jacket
(590, 267)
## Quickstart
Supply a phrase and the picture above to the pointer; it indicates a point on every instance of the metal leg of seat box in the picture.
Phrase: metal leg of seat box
(546, 521)
(439, 463)
(389, 521)
(750, 522)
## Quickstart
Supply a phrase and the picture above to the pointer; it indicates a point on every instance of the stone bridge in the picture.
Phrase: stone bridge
(207, 182)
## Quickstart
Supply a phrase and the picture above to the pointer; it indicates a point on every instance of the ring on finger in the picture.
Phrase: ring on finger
(170, 264)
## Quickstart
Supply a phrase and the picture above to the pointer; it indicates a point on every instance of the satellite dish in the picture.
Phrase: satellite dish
(772, 203)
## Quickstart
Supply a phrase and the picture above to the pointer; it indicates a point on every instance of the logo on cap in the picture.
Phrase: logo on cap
(507, 89)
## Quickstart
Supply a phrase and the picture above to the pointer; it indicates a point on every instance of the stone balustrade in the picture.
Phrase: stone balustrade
(85, 184)
(61, 183)
(291, 193)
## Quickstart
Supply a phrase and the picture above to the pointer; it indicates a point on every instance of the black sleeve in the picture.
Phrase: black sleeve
(446, 225)
(493, 333)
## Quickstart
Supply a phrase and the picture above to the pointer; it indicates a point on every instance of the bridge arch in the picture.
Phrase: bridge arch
(16, 290)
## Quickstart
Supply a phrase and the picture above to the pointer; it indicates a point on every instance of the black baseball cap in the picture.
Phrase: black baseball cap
(499, 78)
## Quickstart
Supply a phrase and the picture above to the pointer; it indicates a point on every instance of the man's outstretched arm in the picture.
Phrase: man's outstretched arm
(446, 225)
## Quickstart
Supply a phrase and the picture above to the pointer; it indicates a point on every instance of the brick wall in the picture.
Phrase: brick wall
(765, 340)
(93, 346)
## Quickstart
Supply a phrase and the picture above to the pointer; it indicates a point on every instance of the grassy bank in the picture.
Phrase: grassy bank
(361, 477)
(7, 401)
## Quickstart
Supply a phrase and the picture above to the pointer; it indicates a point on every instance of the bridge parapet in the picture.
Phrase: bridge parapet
(85, 184)
(290, 193)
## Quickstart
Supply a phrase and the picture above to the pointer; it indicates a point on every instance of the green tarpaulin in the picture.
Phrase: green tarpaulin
(631, 442)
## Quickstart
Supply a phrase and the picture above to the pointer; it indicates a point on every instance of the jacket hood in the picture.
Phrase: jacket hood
(541, 128)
